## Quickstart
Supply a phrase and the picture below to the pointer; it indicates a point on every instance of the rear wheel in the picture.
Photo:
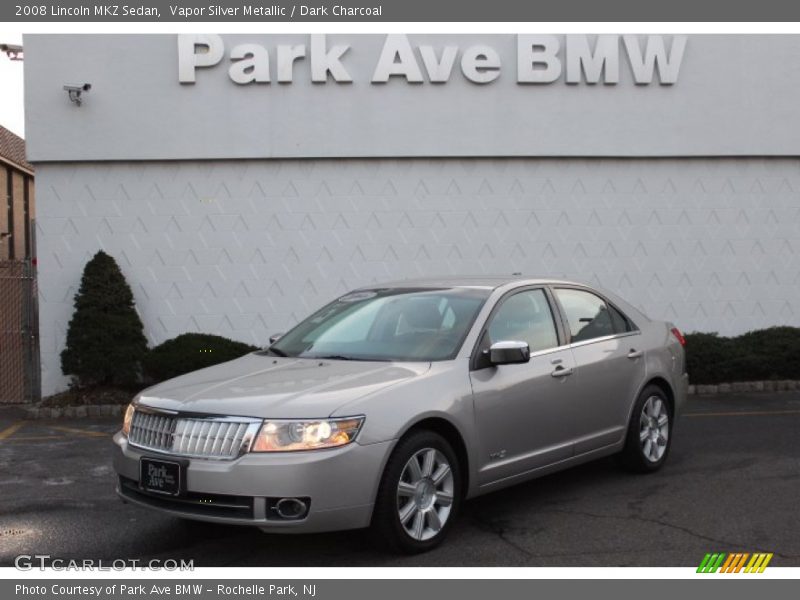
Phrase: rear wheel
(419, 494)
(649, 432)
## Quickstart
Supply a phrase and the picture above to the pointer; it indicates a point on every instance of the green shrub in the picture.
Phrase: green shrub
(772, 353)
(105, 339)
(706, 353)
(189, 352)
(777, 351)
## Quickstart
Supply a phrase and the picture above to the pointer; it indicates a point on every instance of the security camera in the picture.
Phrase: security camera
(13, 51)
(76, 90)
(82, 87)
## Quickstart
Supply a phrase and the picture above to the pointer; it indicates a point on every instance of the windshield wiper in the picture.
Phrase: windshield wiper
(276, 352)
(343, 357)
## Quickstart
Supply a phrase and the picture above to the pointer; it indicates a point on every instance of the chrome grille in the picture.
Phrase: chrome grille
(202, 437)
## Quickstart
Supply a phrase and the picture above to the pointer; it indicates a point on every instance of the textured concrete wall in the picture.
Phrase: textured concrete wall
(245, 248)
(735, 95)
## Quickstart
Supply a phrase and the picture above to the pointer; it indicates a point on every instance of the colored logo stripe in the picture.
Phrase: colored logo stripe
(741, 562)
(734, 562)
(711, 562)
(758, 563)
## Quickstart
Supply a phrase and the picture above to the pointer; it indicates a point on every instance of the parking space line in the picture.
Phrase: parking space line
(742, 413)
(9, 431)
(72, 430)
(34, 438)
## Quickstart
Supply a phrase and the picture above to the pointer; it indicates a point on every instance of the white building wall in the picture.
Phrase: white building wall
(246, 248)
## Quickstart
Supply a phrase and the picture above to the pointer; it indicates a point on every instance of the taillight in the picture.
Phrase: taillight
(678, 336)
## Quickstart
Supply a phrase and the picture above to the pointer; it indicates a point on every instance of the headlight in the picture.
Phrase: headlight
(287, 436)
(126, 422)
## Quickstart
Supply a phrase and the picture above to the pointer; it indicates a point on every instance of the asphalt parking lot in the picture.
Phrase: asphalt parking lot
(732, 484)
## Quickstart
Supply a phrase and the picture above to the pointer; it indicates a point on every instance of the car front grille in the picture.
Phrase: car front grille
(200, 437)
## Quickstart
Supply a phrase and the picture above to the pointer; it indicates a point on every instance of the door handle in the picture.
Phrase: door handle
(561, 372)
(635, 353)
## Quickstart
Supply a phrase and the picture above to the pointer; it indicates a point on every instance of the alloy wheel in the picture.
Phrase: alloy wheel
(425, 494)
(654, 429)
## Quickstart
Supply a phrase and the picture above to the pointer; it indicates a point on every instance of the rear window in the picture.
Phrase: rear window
(622, 324)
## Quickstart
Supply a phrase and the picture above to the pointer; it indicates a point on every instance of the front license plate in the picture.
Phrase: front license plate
(161, 476)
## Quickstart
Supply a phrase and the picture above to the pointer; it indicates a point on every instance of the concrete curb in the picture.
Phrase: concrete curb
(75, 412)
(784, 385)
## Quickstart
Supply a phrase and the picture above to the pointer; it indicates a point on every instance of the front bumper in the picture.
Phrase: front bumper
(341, 484)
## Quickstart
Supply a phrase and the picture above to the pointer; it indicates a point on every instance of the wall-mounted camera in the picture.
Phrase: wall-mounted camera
(76, 90)
(13, 51)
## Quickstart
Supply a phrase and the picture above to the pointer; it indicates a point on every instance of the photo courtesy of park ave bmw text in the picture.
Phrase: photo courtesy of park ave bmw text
(242, 181)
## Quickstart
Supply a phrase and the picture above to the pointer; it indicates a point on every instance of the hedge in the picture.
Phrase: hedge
(765, 354)
(189, 352)
(772, 353)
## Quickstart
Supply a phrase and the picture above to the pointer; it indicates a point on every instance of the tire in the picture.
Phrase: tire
(416, 507)
(649, 436)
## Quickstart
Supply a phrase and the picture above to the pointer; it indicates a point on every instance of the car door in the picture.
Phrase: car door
(519, 408)
(609, 366)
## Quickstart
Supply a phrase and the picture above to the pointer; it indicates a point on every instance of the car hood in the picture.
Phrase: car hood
(263, 386)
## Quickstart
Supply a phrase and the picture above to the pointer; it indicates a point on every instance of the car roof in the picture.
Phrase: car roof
(489, 282)
(478, 281)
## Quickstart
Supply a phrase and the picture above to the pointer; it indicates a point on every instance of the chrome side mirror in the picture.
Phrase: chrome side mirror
(509, 353)
(274, 338)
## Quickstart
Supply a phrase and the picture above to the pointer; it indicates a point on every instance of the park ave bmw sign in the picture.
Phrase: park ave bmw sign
(540, 59)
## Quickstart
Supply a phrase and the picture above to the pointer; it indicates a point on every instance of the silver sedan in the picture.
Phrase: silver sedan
(394, 403)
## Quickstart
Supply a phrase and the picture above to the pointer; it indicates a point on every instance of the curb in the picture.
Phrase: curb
(771, 385)
(75, 412)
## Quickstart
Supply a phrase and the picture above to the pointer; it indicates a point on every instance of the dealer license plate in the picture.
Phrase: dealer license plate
(161, 476)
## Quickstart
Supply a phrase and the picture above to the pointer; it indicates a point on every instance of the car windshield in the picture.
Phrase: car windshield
(403, 324)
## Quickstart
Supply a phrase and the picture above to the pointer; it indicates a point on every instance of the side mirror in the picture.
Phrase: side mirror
(274, 338)
(509, 353)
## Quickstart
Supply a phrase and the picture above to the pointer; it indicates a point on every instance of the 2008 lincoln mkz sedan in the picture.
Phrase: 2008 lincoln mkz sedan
(394, 403)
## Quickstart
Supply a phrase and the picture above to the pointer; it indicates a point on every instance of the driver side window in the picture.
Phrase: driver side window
(524, 317)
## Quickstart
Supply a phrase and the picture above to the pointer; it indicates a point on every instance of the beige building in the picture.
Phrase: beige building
(16, 212)
(19, 354)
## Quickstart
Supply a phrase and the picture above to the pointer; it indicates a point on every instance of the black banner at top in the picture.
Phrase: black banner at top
(399, 11)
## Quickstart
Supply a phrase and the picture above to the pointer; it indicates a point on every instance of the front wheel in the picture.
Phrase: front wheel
(649, 432)
(419, 494)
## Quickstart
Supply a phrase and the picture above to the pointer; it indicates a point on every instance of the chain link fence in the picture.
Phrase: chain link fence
(19, 341)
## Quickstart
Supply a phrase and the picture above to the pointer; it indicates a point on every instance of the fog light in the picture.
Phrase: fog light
(290, 509)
